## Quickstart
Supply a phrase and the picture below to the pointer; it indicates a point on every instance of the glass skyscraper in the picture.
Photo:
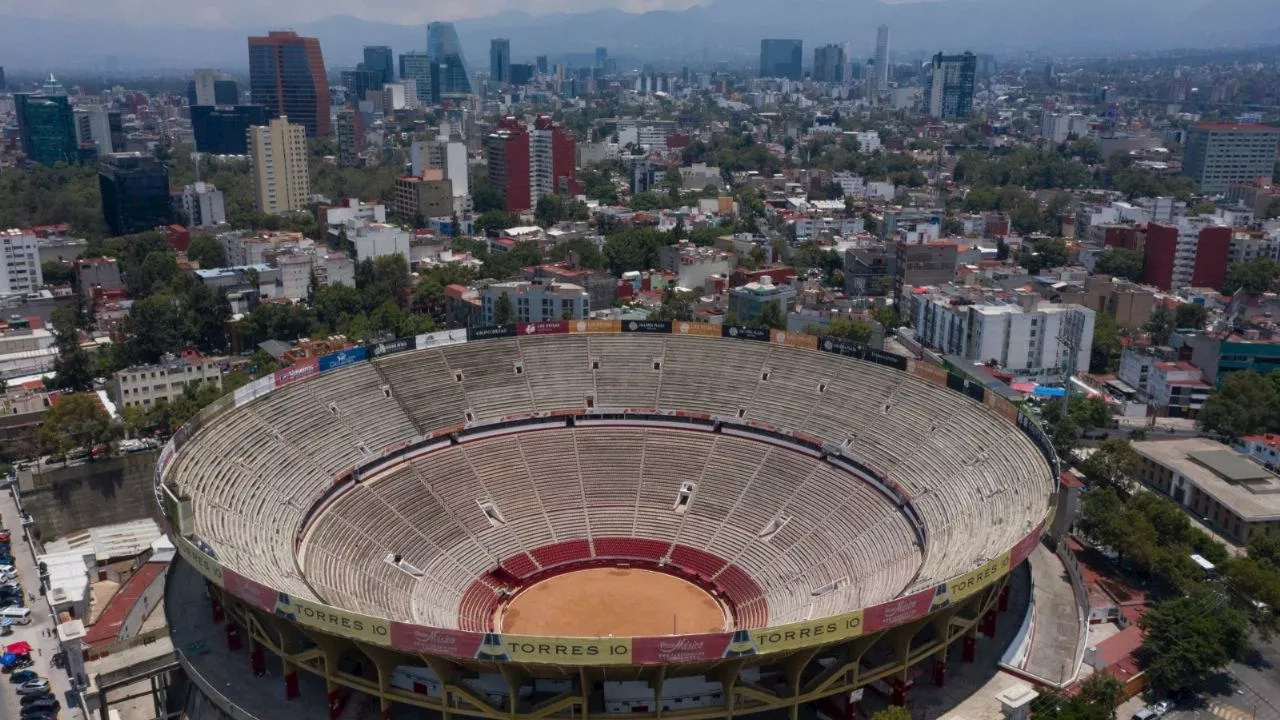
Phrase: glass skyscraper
(444, 47)
(782, 58)
(500, 60)
(287, 76)
(377, 58)
(950, 93)
(47, 128)
(425, 74)
(135, 192)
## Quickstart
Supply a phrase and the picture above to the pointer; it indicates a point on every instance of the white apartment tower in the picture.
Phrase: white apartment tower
(20, 272)
(278, 164)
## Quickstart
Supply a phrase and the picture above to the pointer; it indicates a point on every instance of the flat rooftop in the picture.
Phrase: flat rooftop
(1235, 480)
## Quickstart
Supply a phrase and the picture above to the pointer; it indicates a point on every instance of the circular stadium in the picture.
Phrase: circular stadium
(607, 518)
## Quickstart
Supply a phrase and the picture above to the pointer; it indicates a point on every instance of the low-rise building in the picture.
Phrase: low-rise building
(1228, 491)
(418, 199)
(535, 301)
(148, 385)
(747, 302)
(100, 273)
(693, 264)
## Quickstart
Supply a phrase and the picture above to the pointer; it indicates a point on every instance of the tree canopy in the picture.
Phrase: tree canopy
(1120, 262)
(76, 420)
(1245, 404)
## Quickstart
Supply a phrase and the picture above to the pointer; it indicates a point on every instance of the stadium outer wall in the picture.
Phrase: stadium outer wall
(804, 662)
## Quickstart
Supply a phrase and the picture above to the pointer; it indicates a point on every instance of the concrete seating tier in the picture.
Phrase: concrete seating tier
(753, 516)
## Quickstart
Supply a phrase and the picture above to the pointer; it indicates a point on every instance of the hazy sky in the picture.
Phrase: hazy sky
(237, 13)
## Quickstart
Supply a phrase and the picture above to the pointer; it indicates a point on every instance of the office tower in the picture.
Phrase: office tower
(135, 192)
(360, 81)
(287, 76)
(93, 125)
(425, 73)
(950, 93)
(20, 273)
(553, 155)
(500, 60)
(508, 151)
(377, 58)
(443, 47)
(204, 205)
(541, 63)
(226, 92)
(224, 130)
(278, 166)
(350, 136)
(880, 79)
(201, 90)
(602, 57)
(781, 58)
(46, 127)
(2, 84)
(520, 73)
(1218, 155)
(828, 64)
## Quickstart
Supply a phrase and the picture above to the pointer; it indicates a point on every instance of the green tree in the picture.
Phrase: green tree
(1273, 209)
(156, 325)
(56, 272)
(495, 221)
(893, 712)
(206, 250)
(1252, 276)
(73, 368)
(633, 249)
(76, 420)
(1114, 464)
(855, 329)
(1190, 316)
(1105, 351)
(1188, 639)
(1089, 412)
(1120, 262)
(1161, 325)
(1043, 254)
(770, 317)
(503, 313)
(887, 316)
(551, 209)
(1245, 404)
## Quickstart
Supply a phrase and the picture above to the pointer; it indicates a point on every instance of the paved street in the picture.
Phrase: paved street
(44, 647)
(1248, 691)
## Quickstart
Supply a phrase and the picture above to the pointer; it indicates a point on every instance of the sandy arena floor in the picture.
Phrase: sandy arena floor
(598, 602)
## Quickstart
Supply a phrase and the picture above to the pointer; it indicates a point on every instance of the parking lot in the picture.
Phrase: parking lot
(40, 633)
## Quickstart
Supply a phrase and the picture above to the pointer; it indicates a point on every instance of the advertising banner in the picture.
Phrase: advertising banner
(696, 328)
(808, 633)
(554, 650)
(800, 340)
(646, 326)
(294, 373)
(595, 326)
(443, 337)
(880, 357)
(418, 639)
(739, 332)
(250, 591)
(559, 327)
(391, 347)
(973, 581)
(1026, 546)
(342, 358)
(897, 612)
(490, 332)
(197, 558)
(334, 621)
(680, 648)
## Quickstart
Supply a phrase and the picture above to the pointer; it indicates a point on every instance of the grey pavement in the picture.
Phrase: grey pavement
(43, 645)
(1054, 645)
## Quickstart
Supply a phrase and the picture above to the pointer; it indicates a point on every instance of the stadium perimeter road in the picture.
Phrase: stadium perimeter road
(43, 646)
(1247, 691)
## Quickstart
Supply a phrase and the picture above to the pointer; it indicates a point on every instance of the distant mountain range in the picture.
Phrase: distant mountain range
(722, 30)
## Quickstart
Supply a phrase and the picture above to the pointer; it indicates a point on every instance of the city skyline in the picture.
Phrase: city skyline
(990, 26)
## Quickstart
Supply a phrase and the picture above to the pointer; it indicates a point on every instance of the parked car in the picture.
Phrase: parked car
(1161, 707)
(44, 704)
(35, 697)
(23, 676)
(39, 685)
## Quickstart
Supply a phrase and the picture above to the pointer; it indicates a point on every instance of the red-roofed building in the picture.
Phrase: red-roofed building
(1263, 448)
(1178, 388)
(122, 618)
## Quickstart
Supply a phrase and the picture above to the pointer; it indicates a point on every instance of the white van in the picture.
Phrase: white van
(19, 615)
